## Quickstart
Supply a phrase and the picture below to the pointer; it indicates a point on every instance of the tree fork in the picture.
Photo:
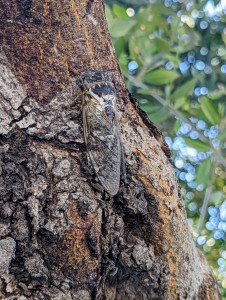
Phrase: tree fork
(60, 237)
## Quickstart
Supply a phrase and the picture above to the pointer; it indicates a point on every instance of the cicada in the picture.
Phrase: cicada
(101, 130)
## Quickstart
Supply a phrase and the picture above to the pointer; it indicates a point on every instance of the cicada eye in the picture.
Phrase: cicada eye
(96, 90)
(108, 92)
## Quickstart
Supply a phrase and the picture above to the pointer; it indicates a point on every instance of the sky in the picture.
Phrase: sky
(212, 10)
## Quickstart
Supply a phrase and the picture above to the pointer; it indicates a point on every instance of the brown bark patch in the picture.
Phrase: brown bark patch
(208, 290)
(47, 42)
(77, 258)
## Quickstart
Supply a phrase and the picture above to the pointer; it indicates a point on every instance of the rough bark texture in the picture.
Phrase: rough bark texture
(60, 237)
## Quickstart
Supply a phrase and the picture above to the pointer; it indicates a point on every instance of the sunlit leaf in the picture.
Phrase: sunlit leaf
(173, 58)
(162, 45)
(217, 197)
(179, 102)
(210, 111)
(155, 91)
(134, 50)
(197, 144)
(150, 107)
(123, 60)
(185, 89)
(143, 91)
(160, 77)
(120, 11)
(159, 116)
(109, 16)
(143, 47)
(224, 37)
(119, 45)
(122, 27)
(176, 125)
(203, 173)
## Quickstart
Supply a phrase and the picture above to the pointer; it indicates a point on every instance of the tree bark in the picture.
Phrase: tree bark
(61, 238)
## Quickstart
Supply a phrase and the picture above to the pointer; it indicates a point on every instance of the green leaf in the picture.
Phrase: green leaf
(179, 102)
(185, 89)
(217, 197)
(150, 108)
(120, 11)
(173, 58)
(221, 109)
(109, 16)
(197, 144)
(176, 125)
(203, 173)
(143, 91)
(162, 45)
(150, 92)
(160, 77)
(121, 28)
(123, 58)
(223, 37)
(123, 61)
(133, 49)
(119, 45)
(210, 111)
(159, 116)
(140, 46)
(196, 112)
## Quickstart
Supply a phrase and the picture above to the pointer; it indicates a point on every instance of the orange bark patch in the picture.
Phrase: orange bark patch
(147, 183)
(168, 206)
(75, 13)
(163, 182)
(89, 44)
(75, 254)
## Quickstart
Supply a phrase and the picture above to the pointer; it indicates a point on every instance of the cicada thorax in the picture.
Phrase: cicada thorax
(101, 133)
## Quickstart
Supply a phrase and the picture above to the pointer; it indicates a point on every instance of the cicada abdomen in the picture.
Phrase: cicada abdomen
(101, 130)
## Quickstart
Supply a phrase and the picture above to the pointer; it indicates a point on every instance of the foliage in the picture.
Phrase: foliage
(172, 54)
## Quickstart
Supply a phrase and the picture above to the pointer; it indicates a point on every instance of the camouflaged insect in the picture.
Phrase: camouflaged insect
(101, 132)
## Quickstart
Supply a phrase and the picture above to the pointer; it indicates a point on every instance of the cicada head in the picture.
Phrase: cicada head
(104, 92)
(99, 85)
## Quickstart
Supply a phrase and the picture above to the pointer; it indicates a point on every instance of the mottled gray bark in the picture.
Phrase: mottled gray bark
(61, 238)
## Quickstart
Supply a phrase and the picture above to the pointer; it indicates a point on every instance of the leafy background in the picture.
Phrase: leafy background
(172, 54)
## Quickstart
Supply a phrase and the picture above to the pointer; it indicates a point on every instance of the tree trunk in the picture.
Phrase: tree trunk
(61, 237)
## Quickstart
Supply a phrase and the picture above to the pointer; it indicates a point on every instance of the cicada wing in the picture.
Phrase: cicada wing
(103, 146)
